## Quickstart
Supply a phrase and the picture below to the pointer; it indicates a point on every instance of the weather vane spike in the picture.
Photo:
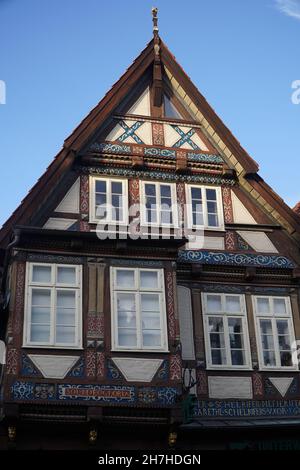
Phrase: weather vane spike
(155, 20)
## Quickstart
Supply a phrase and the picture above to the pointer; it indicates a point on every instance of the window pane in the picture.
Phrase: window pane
(282, 327)
(196, 193)
(269, 358)
(41, 297)
(286, 358)
(41, 274)
(218, 356)
(149, 279)
(211, 195)
(40, 315)
(235, 333)
(127, 337)
(151, 320)
(214, 303)
(198, 218)
(116, 200)
(217, 341)
(266, 327)
(66, 298)
(151, 216)
(65, 317)
(66, 275)
(213, 220)
(65, 334)
(151, 202)
(40, 333)
(152, 338)
(237, 357)
(116, 187)
(165, 203)
(166, 217)
(267, 342)
(263, 305)
(126, 310)
(100, 186)
(150, 190)
(101, 199)
(150, 302)
(197, 206)
(125, 278)
(212, 207)
(101, 212)
(233, 304)
(279, 306)
(165, 191)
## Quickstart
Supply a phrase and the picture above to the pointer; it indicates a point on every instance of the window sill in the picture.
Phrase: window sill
(230, 368)
(279, 369)
(36, 346)
(143, 351)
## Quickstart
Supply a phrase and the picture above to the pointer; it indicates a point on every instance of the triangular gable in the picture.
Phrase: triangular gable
(202, 113)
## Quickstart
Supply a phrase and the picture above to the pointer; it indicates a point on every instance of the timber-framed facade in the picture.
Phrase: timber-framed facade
(153, 334)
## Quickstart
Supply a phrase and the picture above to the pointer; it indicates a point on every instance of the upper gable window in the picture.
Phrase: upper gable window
(204, 207)
(53, 306)
(108, 201)
(159, 206)
(170, 110)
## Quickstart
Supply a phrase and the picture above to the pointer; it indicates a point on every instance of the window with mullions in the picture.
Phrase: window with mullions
(205, 207)
(275, 332)
(138, 309)
(108, 200)
(53, 306)
(226, 331)
(159, 206)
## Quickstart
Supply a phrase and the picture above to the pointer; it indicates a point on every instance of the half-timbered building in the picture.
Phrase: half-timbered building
(150, 280)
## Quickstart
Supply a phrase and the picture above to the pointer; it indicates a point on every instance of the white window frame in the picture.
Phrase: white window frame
(138, 291)
(273, 317)
(108, 220)
(220, 213)
(143, 211)
(242, 315)
(53, 286)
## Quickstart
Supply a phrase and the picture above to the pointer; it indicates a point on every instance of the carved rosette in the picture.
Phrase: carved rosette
(158, 134)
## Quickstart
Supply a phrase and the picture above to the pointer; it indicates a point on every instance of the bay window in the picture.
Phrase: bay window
(53, 306)
(226, 331)
(275, 332)
(108, 200)
(159, 206)
(204, 207)
(138, 309)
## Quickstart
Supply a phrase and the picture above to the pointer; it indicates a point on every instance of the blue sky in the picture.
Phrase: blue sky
(59, 57)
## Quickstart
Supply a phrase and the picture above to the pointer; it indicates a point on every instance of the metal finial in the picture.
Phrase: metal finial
(155, 20)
